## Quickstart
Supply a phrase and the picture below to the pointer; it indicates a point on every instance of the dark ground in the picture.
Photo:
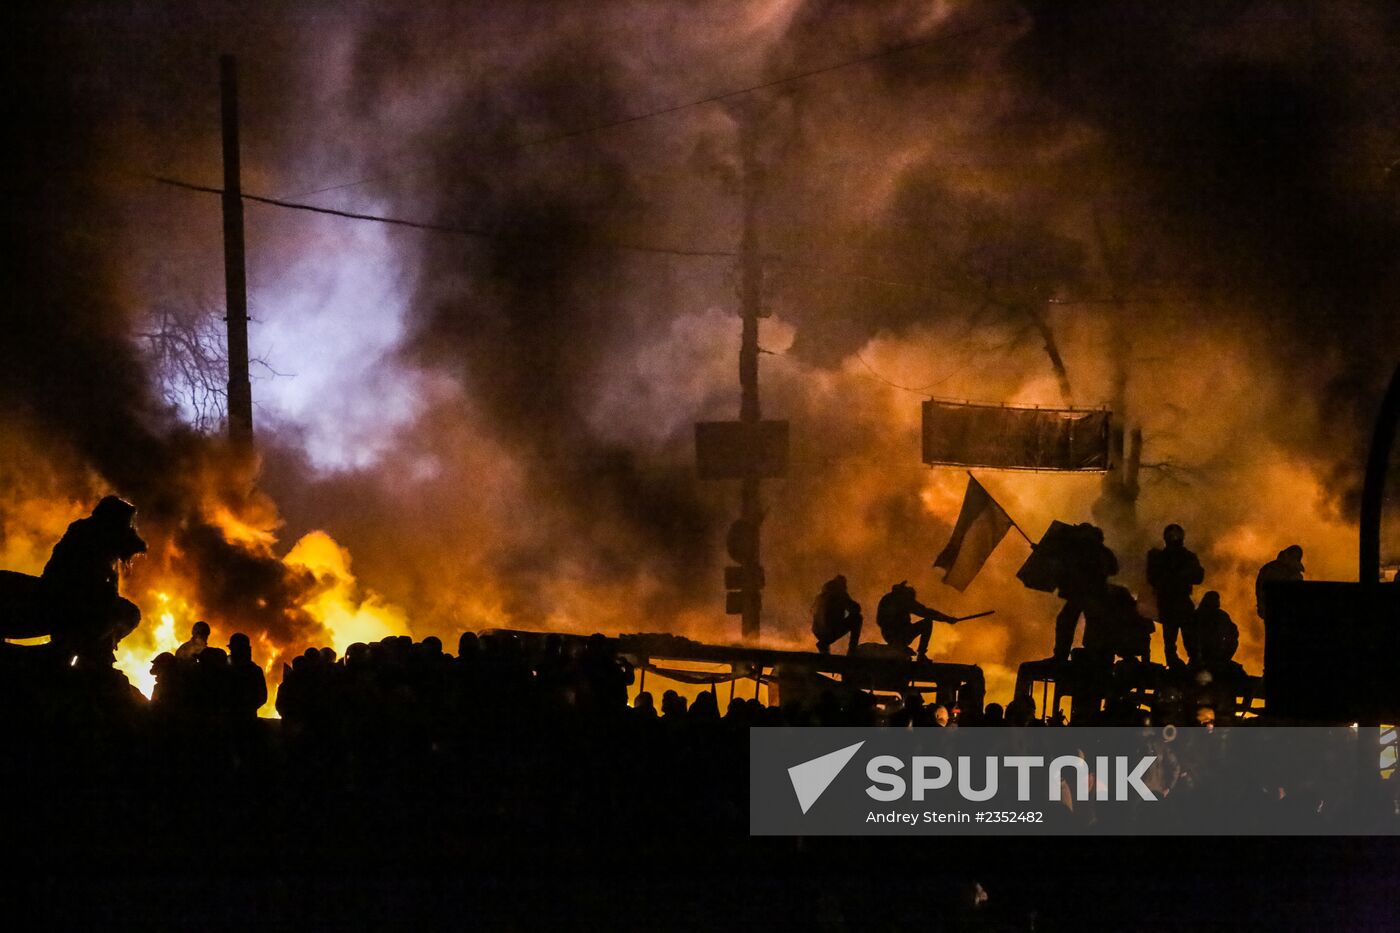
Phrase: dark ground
(529, 817)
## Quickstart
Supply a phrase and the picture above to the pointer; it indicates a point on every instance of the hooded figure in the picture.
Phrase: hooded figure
(1288, 566)
(893, 615)
(1216, 633)
(80, 582)
(1172, 572)
(835, 614)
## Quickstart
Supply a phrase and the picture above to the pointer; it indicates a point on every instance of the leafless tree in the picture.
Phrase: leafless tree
(187, 350)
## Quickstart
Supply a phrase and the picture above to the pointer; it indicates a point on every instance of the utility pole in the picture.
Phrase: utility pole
(748, 449)
(751, 302)
(240, 391)
(1373, 489)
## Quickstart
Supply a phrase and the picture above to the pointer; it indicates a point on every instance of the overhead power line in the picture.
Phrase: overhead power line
(885, 52)
(437, 227)
(820, 269)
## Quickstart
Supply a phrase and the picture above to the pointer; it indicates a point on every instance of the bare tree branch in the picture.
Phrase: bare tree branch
(187, 350)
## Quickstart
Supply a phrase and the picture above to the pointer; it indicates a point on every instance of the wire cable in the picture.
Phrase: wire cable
(436, 227)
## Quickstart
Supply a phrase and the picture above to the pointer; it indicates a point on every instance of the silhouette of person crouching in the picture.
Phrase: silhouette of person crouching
(79, 583)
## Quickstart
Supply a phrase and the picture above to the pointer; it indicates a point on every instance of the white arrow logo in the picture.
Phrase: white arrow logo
(811, 778)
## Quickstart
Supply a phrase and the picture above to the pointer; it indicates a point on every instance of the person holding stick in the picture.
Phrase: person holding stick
(895, 614)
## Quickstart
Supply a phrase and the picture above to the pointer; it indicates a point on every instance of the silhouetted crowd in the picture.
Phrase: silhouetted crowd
(517, 775)
(519, 752)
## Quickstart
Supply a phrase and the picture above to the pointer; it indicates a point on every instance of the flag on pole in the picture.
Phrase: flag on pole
(982, 524)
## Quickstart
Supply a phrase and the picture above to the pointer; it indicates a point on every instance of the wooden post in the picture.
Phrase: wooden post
(751, 304)
(1373, 489)
(240, 392)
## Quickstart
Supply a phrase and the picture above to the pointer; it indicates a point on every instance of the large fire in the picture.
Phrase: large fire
(135, 653)
(333, 607)
(345, 613)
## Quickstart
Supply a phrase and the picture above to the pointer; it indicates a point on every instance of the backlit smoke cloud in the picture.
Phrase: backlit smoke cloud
(1191, 198)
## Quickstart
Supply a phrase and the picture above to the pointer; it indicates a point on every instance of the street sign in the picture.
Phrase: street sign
(1010, 438)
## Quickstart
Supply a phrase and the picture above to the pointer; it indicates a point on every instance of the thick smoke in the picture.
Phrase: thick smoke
(1180, 205)
(80, 414)
(1248, 145)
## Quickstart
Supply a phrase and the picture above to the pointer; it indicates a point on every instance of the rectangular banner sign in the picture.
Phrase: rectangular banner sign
(999, 436)
(1063, 781)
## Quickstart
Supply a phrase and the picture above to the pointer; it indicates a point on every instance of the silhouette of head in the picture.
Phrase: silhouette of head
(903, 590)
(200, 630)
(705, 707)
(1020, 711)
(467, 645)
(1174, 534)
(1210, 601)
(114, 516)
(838, 583)
(239, 647)
(1294, 553)
(114, 510)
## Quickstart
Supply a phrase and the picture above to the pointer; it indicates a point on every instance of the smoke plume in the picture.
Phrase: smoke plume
(1184, 207)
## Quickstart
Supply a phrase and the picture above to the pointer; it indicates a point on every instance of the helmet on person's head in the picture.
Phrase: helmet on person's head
(115, 510)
